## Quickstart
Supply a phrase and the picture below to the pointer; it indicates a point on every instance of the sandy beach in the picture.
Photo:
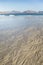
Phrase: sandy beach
(21, 48)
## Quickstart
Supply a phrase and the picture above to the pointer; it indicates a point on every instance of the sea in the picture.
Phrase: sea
(19, 22)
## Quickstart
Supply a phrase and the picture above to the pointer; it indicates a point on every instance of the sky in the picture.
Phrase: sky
(21, 5)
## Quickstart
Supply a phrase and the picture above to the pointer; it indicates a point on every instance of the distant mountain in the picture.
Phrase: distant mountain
(15, 11)
(9, 12)
(40, 12)
(28, 12)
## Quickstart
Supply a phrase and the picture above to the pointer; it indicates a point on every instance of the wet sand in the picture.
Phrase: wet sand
(23, 47)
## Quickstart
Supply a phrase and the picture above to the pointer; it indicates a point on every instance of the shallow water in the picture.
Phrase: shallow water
(13, 22)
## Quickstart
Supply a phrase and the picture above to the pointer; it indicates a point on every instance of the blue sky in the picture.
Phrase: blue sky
(21, 5)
